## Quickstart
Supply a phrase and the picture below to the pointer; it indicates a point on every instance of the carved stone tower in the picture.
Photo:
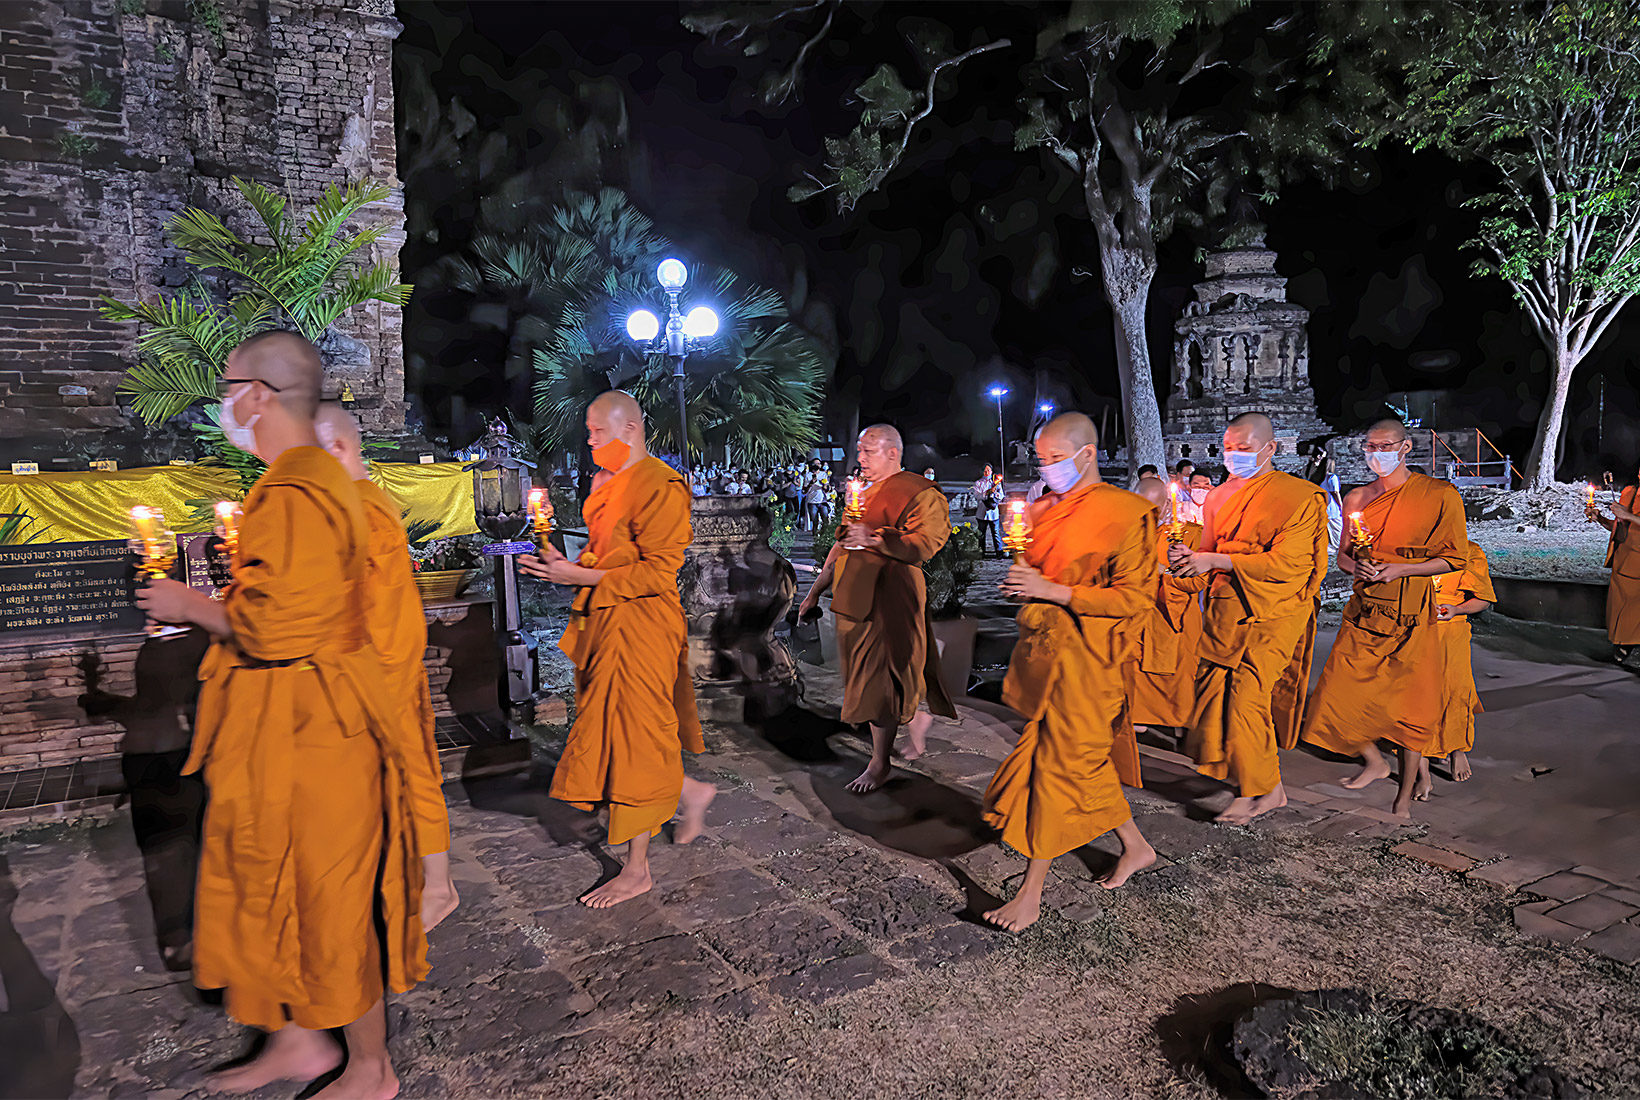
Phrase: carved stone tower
(1240, 347)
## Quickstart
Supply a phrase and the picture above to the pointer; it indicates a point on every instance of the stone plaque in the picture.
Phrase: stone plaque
(55, 587)
(205, 563)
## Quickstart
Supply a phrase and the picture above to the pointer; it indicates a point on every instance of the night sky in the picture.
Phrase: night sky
(975, 264)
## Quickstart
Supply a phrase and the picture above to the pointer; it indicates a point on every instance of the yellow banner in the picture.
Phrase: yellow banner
(95, 506)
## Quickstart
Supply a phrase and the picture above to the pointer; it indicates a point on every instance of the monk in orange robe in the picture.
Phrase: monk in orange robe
(1161, 664)
(880, 601)
(1458, 595)
(1262, 557)
(1090, 568)
(1623, 559)
(309, 843)
(1386, 676)
(634, 694)
(398, 631)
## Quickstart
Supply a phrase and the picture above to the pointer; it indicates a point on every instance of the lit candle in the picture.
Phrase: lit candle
(1590, 500)
(1016, 519)
(540, 516)
(853, 491)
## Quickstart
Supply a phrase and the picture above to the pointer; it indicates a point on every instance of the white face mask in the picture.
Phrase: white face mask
(1061, 477)
(240, 435)
(1199, 495)
(1383, 463)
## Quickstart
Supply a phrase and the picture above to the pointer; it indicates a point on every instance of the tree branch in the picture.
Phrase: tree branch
(878, 175)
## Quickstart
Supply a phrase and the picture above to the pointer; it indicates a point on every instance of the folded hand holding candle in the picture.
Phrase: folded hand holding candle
(1360, 538)
(854, 507)
(156, 550)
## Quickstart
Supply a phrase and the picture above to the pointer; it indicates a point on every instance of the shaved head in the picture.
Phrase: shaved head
(338, 432)
(289, 363)
(1391, 428)
(1255, 426)
(886, 435)
(616, 417)
(1071, 430)
(616, 408)
(1153, 489)
(879, 452)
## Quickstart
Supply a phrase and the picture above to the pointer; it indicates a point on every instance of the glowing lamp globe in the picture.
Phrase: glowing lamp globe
(699, 323)
(998, 391)
(643, 326)
(671, 274)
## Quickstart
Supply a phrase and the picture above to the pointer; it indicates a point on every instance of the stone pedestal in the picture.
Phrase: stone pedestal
(735, 588)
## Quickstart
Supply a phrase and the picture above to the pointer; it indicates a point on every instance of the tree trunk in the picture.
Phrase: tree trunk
(1127, 275)
(1540, 468)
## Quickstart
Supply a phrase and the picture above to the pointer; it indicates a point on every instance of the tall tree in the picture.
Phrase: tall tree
(1547, 95)
(1159, 107)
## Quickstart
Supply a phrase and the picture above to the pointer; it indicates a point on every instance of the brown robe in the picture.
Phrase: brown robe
(880, 602)
(1386, 676)
(309, 828)
(1161, 665)
(1061, 787)
(1258, 629)
(1623, 591)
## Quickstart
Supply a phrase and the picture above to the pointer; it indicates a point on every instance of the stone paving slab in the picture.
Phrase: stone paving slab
(798, 894)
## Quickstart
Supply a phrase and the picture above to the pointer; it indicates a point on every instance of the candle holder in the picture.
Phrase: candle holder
(541, 513)
(228, 515)
(854, 506)
(1175, 525)
(1360, 539)
(156, 550)
(1016, 529)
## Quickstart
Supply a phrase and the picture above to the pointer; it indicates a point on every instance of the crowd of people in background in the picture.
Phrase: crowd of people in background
(804, 489)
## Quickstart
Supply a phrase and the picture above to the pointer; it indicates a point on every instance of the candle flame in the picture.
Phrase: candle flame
(224, 510)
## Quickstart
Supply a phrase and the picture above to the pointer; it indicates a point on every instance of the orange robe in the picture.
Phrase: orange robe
(1161, 669)
(1385, 676)
(1258, 628)
(880, 602)
(634, 696)
(1623, 591)
(1062, 785)
(308, 830)
(1461, 702)
(398, 631)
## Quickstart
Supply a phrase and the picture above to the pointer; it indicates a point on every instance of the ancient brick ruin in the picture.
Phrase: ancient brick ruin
(117, 114)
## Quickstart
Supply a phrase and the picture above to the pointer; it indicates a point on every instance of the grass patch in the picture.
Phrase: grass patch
(1386, 1052)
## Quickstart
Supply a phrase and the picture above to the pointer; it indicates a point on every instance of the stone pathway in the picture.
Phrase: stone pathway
(799, 893)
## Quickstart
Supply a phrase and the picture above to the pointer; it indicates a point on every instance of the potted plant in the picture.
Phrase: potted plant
(442, 567)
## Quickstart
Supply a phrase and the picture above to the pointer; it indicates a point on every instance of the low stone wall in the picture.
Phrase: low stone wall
(1567, 603)
(80, 697)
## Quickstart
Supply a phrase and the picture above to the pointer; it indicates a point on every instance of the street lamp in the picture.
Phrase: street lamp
(1046, 408)
(501, 489)
(999, 392)
(682, 335)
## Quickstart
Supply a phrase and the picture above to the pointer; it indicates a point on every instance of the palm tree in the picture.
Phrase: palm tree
(304, 278)
(756, 387)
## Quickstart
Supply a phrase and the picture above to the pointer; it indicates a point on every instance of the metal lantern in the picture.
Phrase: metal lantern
(501, 487)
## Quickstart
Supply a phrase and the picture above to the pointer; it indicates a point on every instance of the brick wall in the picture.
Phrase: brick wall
(68, 699)
(114, 120)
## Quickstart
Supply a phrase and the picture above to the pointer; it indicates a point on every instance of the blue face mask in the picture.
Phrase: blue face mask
(1061, 477)
(1243, 463)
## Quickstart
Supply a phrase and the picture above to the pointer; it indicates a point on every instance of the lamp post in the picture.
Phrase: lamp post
(999, 392)
(683, 334)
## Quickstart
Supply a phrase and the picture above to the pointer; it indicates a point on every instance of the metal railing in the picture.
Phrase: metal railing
(1484, 469)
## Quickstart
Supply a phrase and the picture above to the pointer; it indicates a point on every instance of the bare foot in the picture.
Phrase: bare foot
(1402, 806)
(869, 780)
(290, 1054)
(916, 732)
(1133, 860)
(1369, 774)
(438, 900)
(1422, 787)
(1016, 915)
(1460, 767)
(362, 1080)
(1243, 810)
(692, 805)
(623, 887)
